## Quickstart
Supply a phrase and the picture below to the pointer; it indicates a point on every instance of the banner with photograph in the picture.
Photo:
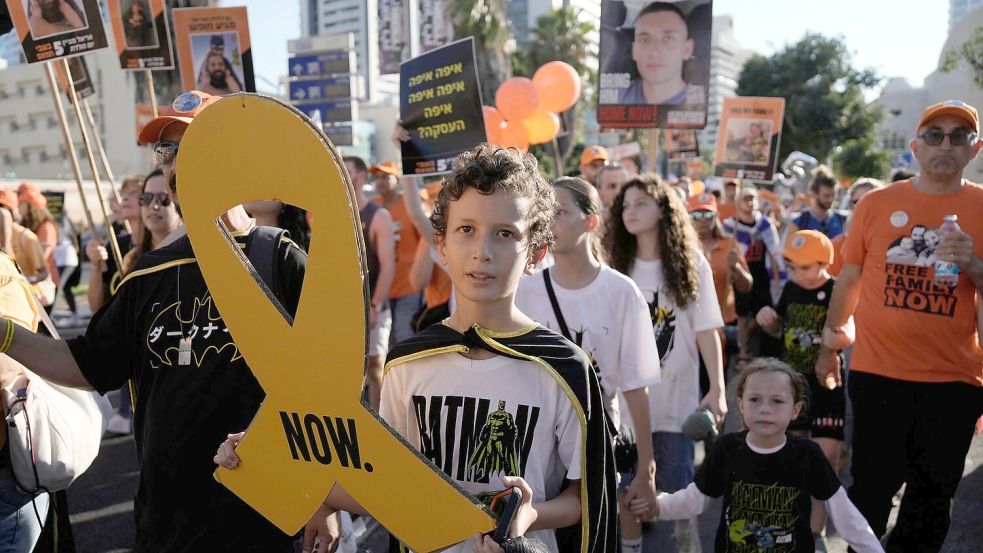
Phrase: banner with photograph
(53, 29)
(440, 102)
(748, 139)
(80, 78)
(436, 28)
(143, 38)
(394, 35)
(654, 64)
(681, 144)
(213, 50)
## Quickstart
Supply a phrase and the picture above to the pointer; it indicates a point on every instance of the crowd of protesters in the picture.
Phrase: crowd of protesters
(823, 313)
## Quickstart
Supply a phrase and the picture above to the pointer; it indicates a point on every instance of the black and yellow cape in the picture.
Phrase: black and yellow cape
(569, 366)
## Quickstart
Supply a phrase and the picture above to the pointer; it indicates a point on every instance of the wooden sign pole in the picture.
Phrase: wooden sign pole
(114, 246)
(148, 77)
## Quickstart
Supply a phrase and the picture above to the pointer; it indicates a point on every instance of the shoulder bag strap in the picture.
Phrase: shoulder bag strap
(556, 305)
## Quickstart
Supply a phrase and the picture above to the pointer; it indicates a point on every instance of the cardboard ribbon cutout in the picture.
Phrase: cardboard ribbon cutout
(312, 430)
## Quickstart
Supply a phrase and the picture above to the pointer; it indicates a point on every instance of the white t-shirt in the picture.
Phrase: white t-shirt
(673, 399)
(476, 419)
(609, 320)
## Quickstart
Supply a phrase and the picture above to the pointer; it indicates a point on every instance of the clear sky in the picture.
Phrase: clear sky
(894, 37)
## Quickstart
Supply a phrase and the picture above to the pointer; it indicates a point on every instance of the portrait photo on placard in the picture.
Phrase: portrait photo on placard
(139, 29)
(218, 59)
(654, 63)
(747, 141)
(54, 17)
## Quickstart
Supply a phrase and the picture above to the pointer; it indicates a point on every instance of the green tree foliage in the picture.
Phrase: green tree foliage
(486, 21)
(861, 158)
(824, 94)
(970, 52)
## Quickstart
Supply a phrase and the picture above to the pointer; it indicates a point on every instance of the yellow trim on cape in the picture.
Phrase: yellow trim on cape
(581, 416)
(156, 268)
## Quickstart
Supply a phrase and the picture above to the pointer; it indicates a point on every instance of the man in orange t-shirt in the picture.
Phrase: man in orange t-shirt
(404, 299)
(916, 375)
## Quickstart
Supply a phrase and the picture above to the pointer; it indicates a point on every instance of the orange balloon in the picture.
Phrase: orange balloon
(558, 85)
(516, 99)
(542, 126)
(514, 134)
(493, 124)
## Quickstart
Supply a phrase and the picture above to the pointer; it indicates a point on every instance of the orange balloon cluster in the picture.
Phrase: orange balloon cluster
(526, 110)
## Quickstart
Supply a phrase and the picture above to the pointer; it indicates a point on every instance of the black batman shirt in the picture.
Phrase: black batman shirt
(183, 411)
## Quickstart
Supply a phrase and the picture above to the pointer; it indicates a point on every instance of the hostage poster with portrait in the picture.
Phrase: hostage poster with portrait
(681, 144)
(143, 38)
(80, 79)
(213, 50)
(654, 64)
(394, 35)
(54, 29)
(749, 135)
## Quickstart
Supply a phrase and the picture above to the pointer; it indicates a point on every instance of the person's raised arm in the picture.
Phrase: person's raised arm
(385, 249)
(97, 255)
(421, 271)
(411, 199)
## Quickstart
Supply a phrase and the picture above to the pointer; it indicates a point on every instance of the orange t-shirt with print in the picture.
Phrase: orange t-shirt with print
(722, 277)
(406, 240)
(907, 327)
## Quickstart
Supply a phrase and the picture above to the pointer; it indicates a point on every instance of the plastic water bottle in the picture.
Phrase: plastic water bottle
(947, 272)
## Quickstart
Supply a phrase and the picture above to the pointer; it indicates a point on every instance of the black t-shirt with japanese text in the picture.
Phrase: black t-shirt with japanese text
(804, 314)
(767, 497)
(183, 411)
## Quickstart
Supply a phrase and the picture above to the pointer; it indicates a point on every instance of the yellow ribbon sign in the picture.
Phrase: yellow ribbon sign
(312, 430)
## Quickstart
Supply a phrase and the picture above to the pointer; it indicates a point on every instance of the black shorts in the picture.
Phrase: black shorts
(824, 413)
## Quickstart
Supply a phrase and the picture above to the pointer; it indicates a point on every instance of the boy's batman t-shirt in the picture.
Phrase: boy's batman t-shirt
(480, 419)
(183, 411)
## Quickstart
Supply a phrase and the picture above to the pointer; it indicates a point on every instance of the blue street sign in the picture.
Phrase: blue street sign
(320, 64)
(328, 88)
(327, 112)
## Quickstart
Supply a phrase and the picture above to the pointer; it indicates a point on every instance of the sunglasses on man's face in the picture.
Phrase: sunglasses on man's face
(147, 199)
(958, 137)
(699, 215)
(165, 152)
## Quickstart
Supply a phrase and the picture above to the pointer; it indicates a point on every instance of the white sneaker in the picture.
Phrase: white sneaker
(120, 424)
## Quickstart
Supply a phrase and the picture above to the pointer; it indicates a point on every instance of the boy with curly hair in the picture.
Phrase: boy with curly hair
(492, 398)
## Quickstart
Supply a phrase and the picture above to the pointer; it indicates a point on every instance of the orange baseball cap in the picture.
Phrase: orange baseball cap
(809, 246)
(387, 167)
(956, 108)
(702, 202)
(594, 153)
(183, 110)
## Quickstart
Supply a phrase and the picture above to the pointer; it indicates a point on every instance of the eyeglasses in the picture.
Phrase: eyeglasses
(165, 152)
(147, 199)
(958, 137)
(697, 215)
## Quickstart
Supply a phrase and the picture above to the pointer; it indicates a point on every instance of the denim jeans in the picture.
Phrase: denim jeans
(20, 526)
